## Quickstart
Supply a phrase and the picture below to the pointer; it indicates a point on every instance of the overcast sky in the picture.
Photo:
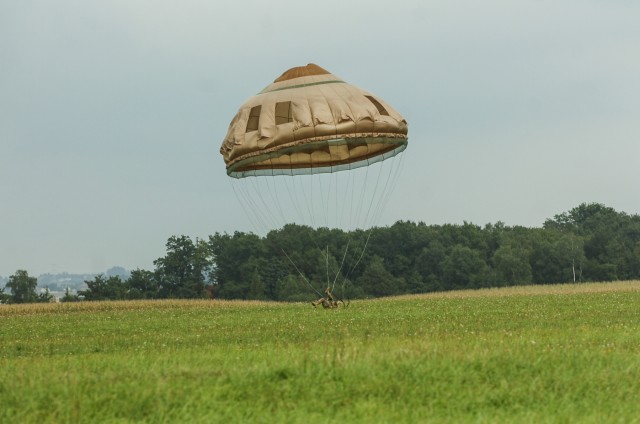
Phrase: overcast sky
(112, 112)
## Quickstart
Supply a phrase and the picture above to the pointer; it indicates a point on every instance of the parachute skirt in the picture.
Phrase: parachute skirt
(316, 157)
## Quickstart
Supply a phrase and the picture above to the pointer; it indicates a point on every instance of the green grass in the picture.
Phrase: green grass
(525, 354)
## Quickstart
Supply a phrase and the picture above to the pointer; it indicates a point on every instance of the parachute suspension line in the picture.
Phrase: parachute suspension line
(343, 206)
(275, 198)
(364, 248)
(260, 205)
(324, 204)
(373, 196)
(296, 207)
(398, 172)
(394, 172)
(306, 201)
(251, 208)
(336, 177)
(326, 256)
(399, 166)
(301, 274)
(305, 186)
(265, 194)
(352, 199)
(341, 264)
(330, 204)
(348, 198)
(327, 202)
(250, 216)
(392, 180)
(381, 200)
(314, 200)
(362, 195)
(332, 211)
(301, 199)
(310, 201)
(324, 181)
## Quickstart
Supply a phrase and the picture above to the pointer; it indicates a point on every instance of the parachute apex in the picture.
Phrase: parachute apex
(301, 71)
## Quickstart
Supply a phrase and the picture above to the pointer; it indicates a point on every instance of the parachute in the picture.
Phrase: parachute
(309, 121)
(313, 132)
(313, 150)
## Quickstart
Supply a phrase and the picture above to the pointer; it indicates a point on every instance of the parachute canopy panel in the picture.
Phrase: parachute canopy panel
(309, 121)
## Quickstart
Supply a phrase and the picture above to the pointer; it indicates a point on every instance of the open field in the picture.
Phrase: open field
(565, 353)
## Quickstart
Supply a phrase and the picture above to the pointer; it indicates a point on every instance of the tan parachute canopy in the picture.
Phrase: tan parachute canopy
(309, 121)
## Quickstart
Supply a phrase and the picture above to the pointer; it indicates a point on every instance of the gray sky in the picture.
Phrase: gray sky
(112, 112)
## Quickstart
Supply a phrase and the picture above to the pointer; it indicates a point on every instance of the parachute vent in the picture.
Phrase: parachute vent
(302, 71)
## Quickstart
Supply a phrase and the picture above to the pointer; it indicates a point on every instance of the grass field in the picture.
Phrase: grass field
(567, 353)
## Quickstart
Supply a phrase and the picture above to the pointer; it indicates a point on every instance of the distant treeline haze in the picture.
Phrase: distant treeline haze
(591, 242)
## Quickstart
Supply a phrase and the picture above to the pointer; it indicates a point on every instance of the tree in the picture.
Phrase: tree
(634, 263)
(257, 289)
(377, 281)
(104, 288)
(4, 297)
(586, 218)
(512, 265)
(347, 290)
(229, 258)
(182, 273)
(142, 285)
(292, 288)
(45, 296)
(569, 250)
(465, 268)
(68, 297)
(428, 264)
(23, 287)
(271, 271)
(590, 242)
(606, 243)
(415, 283)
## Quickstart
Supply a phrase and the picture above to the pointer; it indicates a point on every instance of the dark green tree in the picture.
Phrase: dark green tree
(346, 290)
(589, 242)
(230, 255)
(104, 288)
(464, 268)
(257, 289)
(249, 284)
(512, 265)
(585, 219)
(142, 284)
(634, 262)
(23, 287)
(377, 281)
(272, 270)
(415, 283)
(183, 272)
(512, 259)
(429, 263)
(292, 288)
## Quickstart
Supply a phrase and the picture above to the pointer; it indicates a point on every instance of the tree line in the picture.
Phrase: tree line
(591, 242)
